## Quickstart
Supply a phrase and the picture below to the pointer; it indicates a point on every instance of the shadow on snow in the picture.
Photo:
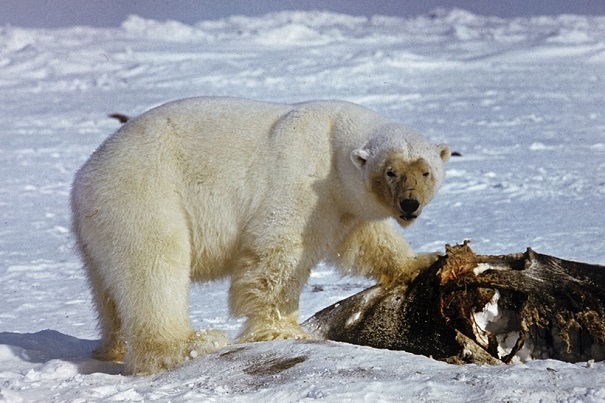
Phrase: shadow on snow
(47, 345)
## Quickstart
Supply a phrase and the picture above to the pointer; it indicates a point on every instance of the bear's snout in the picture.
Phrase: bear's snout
(409, 205)
(408, 208)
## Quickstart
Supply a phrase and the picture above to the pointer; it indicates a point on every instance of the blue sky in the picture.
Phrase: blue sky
(99, 13)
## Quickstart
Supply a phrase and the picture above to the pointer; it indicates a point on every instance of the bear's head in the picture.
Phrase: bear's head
(402, 170)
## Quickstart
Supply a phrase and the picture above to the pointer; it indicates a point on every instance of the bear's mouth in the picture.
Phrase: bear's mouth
(408, 217)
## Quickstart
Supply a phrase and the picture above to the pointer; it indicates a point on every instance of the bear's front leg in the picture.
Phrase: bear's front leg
(265, 288)
(377, 250)
(409, 269)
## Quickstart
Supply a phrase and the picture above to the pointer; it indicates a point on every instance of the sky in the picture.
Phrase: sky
(108, 13)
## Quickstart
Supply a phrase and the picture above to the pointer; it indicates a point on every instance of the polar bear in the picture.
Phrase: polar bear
(203, 188)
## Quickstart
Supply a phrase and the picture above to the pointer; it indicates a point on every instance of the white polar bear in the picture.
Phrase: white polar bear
(204, 188)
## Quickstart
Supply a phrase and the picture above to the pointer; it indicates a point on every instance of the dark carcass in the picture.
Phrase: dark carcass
(479, 308)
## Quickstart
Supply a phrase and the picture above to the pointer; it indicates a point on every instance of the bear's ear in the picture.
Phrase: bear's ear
(360, 157)
(444, 152)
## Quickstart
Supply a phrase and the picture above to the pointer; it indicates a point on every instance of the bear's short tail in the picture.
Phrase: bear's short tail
(120, 117)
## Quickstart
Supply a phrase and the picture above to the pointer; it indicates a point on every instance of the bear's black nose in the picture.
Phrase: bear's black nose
(409, 205)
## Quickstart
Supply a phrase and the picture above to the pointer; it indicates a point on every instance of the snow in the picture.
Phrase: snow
(521, 99)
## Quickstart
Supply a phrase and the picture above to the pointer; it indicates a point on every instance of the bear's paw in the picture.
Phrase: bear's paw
(272, 331)
(205, 342)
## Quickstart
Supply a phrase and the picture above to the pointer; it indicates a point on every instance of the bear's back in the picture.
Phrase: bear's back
(220, 137)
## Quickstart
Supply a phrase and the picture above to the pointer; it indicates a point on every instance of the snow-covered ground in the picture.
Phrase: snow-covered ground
(523, 101)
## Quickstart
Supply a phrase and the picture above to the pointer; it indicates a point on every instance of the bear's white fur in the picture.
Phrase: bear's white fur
(204, 188)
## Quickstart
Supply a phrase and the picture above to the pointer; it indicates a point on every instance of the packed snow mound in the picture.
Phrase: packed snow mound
(287, 370)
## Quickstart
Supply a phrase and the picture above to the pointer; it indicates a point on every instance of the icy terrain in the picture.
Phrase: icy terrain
(522, 100)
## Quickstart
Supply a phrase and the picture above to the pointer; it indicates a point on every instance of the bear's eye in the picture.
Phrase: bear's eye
(391, 174)
(426, 174)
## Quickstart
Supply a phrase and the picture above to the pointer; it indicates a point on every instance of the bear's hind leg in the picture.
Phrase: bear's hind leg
(156, 322)
(112, 345)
